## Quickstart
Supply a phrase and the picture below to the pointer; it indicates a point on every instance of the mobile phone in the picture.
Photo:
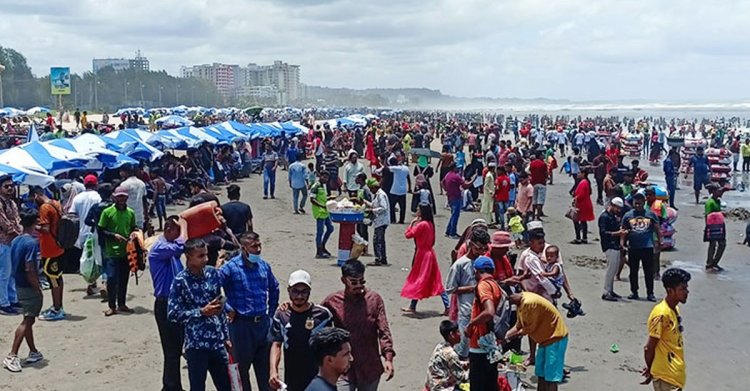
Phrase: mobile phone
(221, 299)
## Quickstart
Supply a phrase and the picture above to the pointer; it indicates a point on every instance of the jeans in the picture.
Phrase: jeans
(482, 374)
(745, 163)
(171, 336)
(269, 180)
(462, 348)
(161, 205)
(613, 263)
(322, 238)
(715, 251)
(200, 362)
(735, 160)
(394, 199)
(500, 209)
(599, 188)
(645, 257)
(296, 202)
(443, 297)
(582, 229)
(251, 346)
(672, 188)
(7, 277)
(379, 244)
(452, 229)
(118, 274)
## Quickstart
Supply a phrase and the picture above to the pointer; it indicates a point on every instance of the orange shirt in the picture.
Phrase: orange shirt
(487, 289)
(49, 214)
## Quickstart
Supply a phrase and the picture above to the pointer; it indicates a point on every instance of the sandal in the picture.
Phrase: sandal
(125, 309)
(110, 312)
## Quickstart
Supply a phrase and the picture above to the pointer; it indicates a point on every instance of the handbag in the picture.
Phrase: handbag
(572, 213)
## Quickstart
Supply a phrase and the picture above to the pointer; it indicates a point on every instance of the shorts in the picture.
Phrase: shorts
(550, 360)
(31, 302)
(700, 182)
(661, 385)
(52, 268)
(540, 194)
(517, 236)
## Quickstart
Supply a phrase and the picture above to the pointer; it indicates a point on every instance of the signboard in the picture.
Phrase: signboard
(60, 80)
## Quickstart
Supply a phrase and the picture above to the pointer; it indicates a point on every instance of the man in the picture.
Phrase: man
(538, 174)
(716, 238)
(445, 370)
(333, 354)
(195, 303)
(82, 204)
(136, 198)
(380, 208)
(400, 187)
(318, 198)
(331, 164)
(609, 235)
(84, 120)
(200, 194)
(77, 116)
(745, 152)
(488, 194)
(454, 185)
(461, 282)
(352, 168)
(502, 196)
(601, 167)
(670, 175)
(117, 223)
(734, 148)
(298, 174)
(641, 226)
(164, 264)
(50, 212)
(700, 165)
(291, 329)
(664, 352)
(544, 325)
(10, 227)
(270, 162)
(482, 374)
(252, 296)
(239, 215)
(361, 311)
(525, 199)
(24, 254)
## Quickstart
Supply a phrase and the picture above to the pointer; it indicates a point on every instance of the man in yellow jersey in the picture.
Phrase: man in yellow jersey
(664, 354)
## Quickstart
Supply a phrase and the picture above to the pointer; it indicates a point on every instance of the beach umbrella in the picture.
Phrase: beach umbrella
(168, 138)
(226, 131)
(37, 110)
(173, 121)
(132, 144)
(94, 147)
(424, 152)
(198, 134)
(127, 134)
(26, 177)
(44, 158)
(293, 129)
(11, 112)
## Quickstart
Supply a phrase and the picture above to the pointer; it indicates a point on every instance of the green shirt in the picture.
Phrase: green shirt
(120, 222)
(319, 193)
(712, 205)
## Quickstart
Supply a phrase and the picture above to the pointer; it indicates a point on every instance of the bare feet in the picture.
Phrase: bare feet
(529, 361)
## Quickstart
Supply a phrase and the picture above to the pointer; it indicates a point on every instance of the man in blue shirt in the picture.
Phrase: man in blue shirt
(700, 166)
(196, 303)
(641, 226)
(164, 263)
(298, 182)
(252, 298)
(670, 175)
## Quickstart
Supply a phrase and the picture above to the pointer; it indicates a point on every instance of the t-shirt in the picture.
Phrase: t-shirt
(640, 225)
(297, 175)
(269, 159)
(669, 360)
(319, 193)
(320, 384)
(540, 320)
(203, 197)
(400, 179)
(452, 184)
(487, 289)
(700, 165)
(525, 196)
(136, 191)
(461, 273)
(120, 222)
(237, 214)
(712, 205)
(608, 222)
(49, 214)
(502, 188)
(538, 172)
(82, 203)
(24, 249)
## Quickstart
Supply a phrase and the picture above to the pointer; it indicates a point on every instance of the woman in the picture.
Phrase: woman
(582, 202)
(424, 279)
(370, 151)
(423, 173)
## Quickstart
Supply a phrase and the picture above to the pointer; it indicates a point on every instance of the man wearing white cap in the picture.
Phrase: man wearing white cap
(291, 328)
(609, 236)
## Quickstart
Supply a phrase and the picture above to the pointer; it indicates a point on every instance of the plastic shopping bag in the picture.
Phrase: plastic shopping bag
(233, 369)
(90, 269)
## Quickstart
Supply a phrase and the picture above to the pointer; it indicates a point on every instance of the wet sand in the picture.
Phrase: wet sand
(91, 352)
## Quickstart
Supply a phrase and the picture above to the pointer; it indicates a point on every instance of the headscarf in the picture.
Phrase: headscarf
(422, 161)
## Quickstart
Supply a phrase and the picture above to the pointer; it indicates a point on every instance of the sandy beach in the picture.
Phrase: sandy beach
(88, 351)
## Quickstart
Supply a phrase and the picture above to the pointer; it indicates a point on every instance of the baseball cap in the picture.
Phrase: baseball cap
(300, 277)
(120, 191)
(617, 201)
(501, 239)
(90, 180)
(484, 263)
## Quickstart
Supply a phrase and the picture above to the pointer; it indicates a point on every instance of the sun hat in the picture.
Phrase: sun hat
(501, 239)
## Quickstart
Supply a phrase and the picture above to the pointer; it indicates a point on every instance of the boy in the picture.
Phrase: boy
(195, 301)
(160, 197)
(333, 353)
(446, 371)
(24, 252)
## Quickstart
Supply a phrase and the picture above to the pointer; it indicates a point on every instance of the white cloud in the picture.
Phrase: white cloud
(576, 49)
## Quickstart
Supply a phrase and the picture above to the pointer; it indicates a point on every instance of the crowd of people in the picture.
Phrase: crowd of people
(504, 282)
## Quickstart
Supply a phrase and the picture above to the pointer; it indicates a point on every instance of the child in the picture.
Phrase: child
(515, 222)
(195, 302)
(24, 257)
(311, 179)
(553, 270)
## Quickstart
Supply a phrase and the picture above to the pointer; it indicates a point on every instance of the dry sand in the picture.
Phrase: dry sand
(90, 352)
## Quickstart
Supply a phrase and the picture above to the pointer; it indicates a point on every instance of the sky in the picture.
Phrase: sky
(582, 50)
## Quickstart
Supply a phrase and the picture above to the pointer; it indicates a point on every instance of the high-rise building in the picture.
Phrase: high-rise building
(221, 75)
(140, 63)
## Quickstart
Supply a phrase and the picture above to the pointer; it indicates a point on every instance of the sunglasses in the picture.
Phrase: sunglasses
(356, 281)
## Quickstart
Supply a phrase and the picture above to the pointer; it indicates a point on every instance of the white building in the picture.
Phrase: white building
(140, 63)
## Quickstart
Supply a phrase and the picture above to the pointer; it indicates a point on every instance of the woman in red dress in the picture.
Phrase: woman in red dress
(582, 202)
(370, 149)
(424, 279)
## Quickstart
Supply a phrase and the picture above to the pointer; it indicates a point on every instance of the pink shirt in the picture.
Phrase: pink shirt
(524, 198)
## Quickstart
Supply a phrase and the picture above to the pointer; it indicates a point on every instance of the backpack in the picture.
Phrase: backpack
(500, 323)
(68, 228)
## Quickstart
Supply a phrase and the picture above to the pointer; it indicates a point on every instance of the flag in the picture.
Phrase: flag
(33, 135)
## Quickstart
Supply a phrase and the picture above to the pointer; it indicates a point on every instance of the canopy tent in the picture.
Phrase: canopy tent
(198, 134)
(137, 134)
(260, 130)
(168, 138)
(293, 128)
(133, 143)
(96, 148)
(43, 158)
(226, 132)
(26, 177)
(173, 121)
(238, 126)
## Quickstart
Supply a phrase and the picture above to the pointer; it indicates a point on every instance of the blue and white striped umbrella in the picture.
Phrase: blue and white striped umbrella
(225, 132)
(133, 143)
(172, 121)
(26, 177)
(46, 158)
(94, 147)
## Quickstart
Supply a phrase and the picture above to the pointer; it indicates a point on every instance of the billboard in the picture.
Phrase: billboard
(60, 80)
